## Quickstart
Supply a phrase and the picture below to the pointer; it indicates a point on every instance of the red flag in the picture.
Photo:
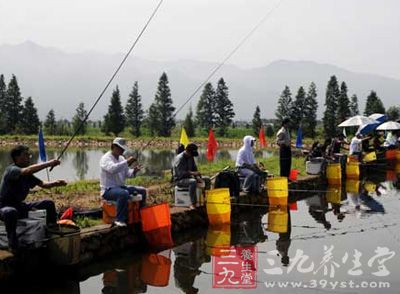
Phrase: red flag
(261, 137)
(67, 214)
(212, 146)
(293, 206)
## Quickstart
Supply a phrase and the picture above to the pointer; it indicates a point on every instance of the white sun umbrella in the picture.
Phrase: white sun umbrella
(368, 128)
(378, 116)
(389, 126)
(357, 120)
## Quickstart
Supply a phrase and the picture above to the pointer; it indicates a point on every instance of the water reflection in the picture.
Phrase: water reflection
(297, 234)
(247, 228)
(317, 208)
(81, 164)
(292, 245)
(283, 242)
(151, 270)
(188, 259)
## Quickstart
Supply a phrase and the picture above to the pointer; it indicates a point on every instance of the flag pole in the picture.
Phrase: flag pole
(48, 175)
(42, 151)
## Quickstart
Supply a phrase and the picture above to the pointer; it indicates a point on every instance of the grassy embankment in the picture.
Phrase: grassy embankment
(85, 194)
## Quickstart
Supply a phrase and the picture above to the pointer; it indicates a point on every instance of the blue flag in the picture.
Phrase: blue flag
(42, 149)
(299, 139)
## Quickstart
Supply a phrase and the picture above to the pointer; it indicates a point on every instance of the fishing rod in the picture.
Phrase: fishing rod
(246, 37)
(110, 80)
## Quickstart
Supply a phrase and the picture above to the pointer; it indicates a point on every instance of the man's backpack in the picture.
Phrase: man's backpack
(228, 179)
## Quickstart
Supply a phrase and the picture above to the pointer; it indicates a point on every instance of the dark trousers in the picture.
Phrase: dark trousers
(285, 160)
(10, 214)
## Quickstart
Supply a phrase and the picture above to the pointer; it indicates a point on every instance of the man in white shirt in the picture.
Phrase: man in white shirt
(391, 140)
(356, 146)
(114, 169)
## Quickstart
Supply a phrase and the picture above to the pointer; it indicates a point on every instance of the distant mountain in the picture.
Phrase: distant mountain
(60, 80)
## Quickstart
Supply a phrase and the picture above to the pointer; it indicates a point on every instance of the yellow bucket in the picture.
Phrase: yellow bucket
(397, 168)
(334, 173)
(218, 240)
(219, 206)
(278, 191)
(353, 170)
(352, 158)
(352, 186)
(333, 195)
(370, 157)
(278, 220)
(369, 186)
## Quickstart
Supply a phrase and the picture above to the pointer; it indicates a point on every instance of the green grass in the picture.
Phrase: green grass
(86, 222)
(95, 134)
(271, 164)
(207, 169)
(92, 186)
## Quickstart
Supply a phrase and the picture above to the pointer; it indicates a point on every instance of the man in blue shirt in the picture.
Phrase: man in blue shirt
(17, 179)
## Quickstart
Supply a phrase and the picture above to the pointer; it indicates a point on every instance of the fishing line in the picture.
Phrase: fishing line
(220, 65)
(111, 79)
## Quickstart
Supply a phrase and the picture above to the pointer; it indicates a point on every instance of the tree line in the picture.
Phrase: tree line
(338, 107)
(213, 110)
(16, 115)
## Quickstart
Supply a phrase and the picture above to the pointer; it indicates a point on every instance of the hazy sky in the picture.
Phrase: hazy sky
(360, 35)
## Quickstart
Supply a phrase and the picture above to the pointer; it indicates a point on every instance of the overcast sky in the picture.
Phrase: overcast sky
(359, 35)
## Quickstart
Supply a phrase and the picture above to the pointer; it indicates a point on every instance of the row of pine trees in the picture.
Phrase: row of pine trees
(214, 110)
(338, 107)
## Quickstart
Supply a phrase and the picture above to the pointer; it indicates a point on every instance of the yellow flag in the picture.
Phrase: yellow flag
(184, 138)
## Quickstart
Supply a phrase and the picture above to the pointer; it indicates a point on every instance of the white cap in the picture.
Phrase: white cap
(120, 142)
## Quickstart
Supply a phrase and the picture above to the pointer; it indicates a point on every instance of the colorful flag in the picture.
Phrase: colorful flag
(293, 206)
(68, 214)
(42, 149)
(212, 146)
(184, 138)
(299, 139)
(261, 137)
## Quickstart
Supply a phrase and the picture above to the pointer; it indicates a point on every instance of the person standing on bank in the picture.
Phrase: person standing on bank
(16, 182)
(185, 171)
(114, 170)
(285, 152)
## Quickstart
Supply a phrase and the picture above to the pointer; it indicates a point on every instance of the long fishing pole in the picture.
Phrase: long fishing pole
(110, 80)
(246, 37)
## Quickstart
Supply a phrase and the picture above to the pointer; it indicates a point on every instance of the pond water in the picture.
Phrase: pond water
(81, 164)
(342, 241)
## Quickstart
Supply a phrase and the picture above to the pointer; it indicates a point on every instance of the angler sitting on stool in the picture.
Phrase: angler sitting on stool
(114, 169)
(185, 173)
(17, 179)
(247, 167)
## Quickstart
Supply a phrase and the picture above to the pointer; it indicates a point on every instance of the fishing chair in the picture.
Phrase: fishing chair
(110, 209)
